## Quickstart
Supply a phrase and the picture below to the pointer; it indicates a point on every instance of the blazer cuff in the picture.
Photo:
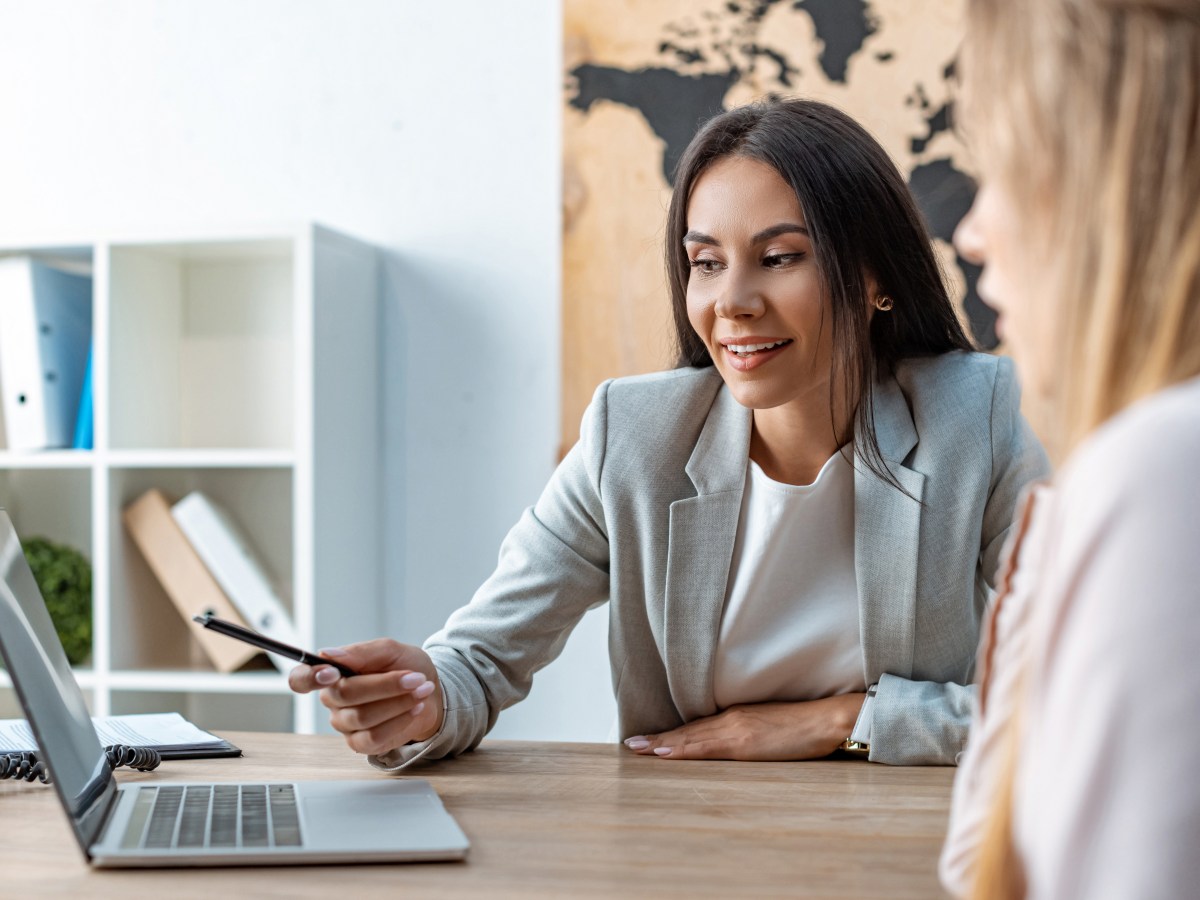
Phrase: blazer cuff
(920, 723)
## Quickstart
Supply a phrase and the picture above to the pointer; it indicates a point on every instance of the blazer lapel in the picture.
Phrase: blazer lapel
(887, 530)
(699, 551)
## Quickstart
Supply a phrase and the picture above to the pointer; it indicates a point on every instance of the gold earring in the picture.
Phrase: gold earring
(884, 303)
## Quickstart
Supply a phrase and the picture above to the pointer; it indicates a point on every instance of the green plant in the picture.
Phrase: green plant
(65, 578)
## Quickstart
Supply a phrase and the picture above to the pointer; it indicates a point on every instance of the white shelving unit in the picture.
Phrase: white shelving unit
(246, 365)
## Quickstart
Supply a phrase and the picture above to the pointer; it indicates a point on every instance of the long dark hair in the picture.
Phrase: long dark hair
(863, 223)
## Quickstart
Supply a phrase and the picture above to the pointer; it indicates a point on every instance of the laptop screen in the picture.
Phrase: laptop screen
(49, 693)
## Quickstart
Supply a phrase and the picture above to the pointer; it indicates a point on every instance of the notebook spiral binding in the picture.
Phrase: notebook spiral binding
(27, 767)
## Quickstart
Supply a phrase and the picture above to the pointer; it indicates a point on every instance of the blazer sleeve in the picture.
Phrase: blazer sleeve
(926, 722)
(553, 568)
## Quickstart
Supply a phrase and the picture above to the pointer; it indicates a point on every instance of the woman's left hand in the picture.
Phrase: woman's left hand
(759, 731)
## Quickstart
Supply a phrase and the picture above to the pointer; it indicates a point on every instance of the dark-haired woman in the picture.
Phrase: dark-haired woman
(806, 514)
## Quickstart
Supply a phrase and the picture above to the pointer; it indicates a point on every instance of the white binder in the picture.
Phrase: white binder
(45, 336)
(226, 552)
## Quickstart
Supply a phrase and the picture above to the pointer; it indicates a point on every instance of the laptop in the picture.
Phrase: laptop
(386, 819)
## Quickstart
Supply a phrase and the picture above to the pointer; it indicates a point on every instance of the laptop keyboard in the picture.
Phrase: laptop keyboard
(215, 816)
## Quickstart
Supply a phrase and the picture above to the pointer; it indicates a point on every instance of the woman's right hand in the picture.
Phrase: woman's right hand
(395, 699)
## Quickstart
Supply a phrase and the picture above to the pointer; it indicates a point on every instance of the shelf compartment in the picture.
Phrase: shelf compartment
(147, 631)
(202, 346)
(50, 503)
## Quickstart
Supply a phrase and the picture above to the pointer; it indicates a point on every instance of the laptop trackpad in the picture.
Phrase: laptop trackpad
(376, 815)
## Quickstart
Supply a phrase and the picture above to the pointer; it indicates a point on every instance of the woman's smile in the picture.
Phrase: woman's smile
(746, 353)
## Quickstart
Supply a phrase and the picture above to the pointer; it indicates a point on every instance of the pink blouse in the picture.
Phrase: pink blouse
(1095, 635)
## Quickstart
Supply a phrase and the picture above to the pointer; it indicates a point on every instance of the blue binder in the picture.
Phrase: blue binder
(83, 422)
(45, 340)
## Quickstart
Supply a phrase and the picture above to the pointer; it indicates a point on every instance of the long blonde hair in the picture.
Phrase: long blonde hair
(1088, 113)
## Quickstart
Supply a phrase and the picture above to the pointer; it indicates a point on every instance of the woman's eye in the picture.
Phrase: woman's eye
(779, 260)
(704, 266)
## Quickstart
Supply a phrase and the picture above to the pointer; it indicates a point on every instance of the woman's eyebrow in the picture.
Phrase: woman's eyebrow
(699, 237)
(776, 230)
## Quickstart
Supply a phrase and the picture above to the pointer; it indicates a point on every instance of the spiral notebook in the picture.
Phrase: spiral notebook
(173, 736)
(153, 822)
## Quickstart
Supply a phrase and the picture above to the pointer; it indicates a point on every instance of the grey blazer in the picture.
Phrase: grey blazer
(643, 513)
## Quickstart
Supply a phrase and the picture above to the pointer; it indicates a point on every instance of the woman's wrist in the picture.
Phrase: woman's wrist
(846, 708)
(436, 702)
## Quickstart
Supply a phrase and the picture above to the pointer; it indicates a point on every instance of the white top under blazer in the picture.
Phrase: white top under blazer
(790, 628)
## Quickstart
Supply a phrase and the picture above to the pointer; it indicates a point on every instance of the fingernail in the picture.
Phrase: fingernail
(418, 709)
(326, 675)
(637, 745)
(424, 690)
(412, 680)
(662, 751)
(333, 652)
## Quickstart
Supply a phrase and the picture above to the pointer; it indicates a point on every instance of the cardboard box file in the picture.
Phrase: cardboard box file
(184, 577)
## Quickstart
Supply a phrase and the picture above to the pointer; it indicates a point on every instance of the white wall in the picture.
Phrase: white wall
(430, 129)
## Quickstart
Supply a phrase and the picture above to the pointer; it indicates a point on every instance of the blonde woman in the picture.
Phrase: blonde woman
(1081, 776)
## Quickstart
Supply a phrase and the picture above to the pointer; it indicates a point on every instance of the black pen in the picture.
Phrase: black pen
(237, 632)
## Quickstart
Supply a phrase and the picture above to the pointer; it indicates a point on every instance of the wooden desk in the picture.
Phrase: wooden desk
(554, 820)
